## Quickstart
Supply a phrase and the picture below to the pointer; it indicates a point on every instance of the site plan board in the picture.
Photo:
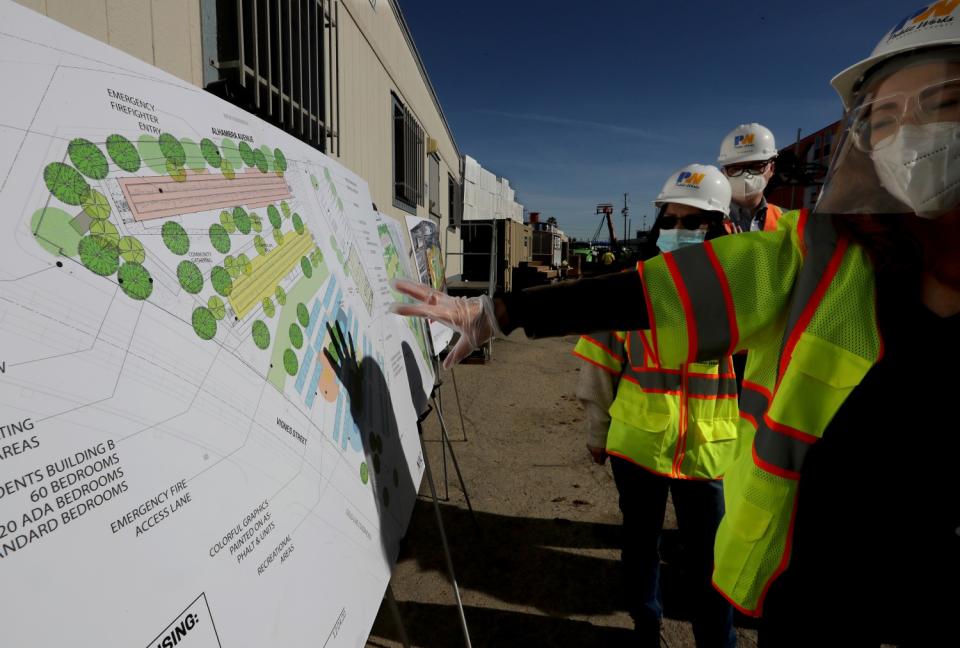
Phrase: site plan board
(181, 463)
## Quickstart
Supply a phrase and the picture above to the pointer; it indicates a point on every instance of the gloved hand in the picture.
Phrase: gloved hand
(473, 318)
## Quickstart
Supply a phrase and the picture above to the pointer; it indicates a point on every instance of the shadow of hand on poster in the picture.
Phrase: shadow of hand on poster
(371, 407)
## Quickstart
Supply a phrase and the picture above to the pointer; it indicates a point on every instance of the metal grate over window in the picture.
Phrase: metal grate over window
(408, 158)
(278, 59)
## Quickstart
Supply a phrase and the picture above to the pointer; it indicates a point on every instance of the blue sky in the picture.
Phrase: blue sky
(579, 102)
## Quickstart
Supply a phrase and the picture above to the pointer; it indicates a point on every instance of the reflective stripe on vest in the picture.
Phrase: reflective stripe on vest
(703, 290)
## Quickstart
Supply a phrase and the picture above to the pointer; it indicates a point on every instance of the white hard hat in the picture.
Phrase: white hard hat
(698, 185)
(747, 143)
(936, 24)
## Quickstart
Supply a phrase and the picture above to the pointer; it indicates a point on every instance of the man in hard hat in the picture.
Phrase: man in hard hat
(665, 432)
(748, 156)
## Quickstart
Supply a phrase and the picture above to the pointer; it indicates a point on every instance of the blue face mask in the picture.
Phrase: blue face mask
(674, 239)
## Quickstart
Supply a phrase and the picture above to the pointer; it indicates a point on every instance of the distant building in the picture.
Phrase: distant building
(801, 169)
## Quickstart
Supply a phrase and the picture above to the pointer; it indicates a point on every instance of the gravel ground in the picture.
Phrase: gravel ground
(538, 563)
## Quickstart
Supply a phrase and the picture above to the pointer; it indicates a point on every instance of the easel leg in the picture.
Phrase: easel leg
(397, 618)
(446, 546)
(456, 394)
(446, 440)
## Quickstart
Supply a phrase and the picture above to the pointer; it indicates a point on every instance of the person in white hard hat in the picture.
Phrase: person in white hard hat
(645, 418)
(841, 523)
(747, 156)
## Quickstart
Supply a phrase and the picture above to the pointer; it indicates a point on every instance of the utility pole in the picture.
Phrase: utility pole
(625, 212)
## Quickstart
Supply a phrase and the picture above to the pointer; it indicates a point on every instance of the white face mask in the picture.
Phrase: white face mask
(676, 238)
(746, 185)
(919, 167)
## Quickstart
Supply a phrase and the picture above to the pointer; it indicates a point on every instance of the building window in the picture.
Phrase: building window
(433, 163)
(278, 60)
(454, 202)
(408, 154)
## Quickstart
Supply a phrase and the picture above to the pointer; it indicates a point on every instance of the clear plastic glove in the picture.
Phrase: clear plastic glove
(473, 318)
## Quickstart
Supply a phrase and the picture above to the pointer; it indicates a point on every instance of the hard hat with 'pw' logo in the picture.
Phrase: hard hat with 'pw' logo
(937, 24)
(697, 185)
(747, 143)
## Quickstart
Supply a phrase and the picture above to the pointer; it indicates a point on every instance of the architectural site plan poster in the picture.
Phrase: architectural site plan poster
(428, 258)
(181, 463)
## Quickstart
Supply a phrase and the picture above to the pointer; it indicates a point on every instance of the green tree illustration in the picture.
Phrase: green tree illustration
(175, 237)
(278, 237)
(298, 224)
(221, 281)
(229, 149)
(260, 160)
(217, 307)
(285, 208)
(98, 256)
(219, 238)
(306, 267)
(65, 183)
(88, 158)
(241, 220)
(259, 245)
(243, 262)
(364, 472)
(255, 223)
(290, 362)
(190, 277)
(274, 217)
(280, 295)
(151, 154)
(226, 219)
(261, 334)
(210, 153)
(280, 160)
(296, 336)
(172, 150)
(135, 281)
(246, 154)
(95, 204)
(231, 265)
(178, 173)
(303, 316)
(204, 323)
(268, 308)
(226, 168)
(123, 153)
(131, 250)
(195, 160)
(106, 232)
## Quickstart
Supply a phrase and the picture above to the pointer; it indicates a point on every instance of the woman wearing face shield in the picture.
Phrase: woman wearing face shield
(842, 523)
(666, 431)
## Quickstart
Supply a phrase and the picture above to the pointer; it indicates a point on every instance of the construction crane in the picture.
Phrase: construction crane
(607, 210)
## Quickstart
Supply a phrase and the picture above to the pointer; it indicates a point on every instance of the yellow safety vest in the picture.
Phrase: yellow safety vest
(680, 423)
(802, 301)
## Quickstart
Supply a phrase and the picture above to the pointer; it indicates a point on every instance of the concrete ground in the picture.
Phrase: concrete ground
(539, 564)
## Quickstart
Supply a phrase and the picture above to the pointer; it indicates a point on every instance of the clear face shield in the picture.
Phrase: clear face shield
(899, 151)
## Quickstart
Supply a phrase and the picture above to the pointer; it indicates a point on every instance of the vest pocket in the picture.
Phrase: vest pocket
(715, 446)
(639, 434)
(819, 372)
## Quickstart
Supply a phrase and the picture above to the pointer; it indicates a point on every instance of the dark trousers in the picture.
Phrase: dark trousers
(699, 507)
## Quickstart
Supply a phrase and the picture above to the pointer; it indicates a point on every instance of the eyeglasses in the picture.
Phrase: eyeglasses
(752, 168)
(873, 124)
(691, 222)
